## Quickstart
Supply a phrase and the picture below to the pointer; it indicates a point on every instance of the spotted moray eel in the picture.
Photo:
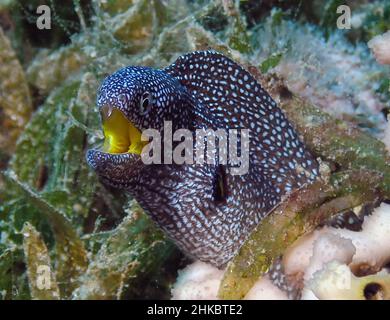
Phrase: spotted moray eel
(207, 211)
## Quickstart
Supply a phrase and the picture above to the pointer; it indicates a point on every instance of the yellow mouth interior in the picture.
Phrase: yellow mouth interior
(121, 136)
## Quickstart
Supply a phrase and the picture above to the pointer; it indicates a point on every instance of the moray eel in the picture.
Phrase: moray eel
(207, 211)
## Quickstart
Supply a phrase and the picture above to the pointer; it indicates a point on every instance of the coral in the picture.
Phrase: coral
(336, 282)
(343, 145)
(363, 251)
(296, 215)
(328, 260)
(323, 264)
(199, 281)
(380, 46)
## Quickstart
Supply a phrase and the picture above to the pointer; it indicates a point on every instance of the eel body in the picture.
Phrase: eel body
(205, 209)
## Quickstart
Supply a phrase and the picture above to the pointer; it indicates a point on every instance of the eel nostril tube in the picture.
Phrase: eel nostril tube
(106, 112)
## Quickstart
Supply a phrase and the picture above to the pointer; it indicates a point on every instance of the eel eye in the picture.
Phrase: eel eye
(145, 103)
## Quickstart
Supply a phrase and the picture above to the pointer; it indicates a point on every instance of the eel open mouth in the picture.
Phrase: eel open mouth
(121, 136)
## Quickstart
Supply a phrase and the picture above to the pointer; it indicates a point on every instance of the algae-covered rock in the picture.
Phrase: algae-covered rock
(71, 257)
(14, 282)
(135, 26)
(48, 70)
(15, 100)
(50, 154)
(114, 7)
(42, 280)
(133, 249)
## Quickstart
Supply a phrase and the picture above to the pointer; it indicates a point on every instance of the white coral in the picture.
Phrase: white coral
(198, 281)
(264, 289)
(336, 282)
(380, 46)
(324, 261)
(386, 138)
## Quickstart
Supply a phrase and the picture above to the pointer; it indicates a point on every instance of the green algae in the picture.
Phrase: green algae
(125, 26)
(71, 257)
(15, 100)
(14, 284)
(270, 62)
(134, 248)
(43, 285)
(46, 71)
(374, 19)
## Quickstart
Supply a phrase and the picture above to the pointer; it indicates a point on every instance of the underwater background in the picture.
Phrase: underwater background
(96, 243)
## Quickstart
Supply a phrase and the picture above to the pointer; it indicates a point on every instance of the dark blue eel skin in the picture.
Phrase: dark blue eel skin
(207, 211)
